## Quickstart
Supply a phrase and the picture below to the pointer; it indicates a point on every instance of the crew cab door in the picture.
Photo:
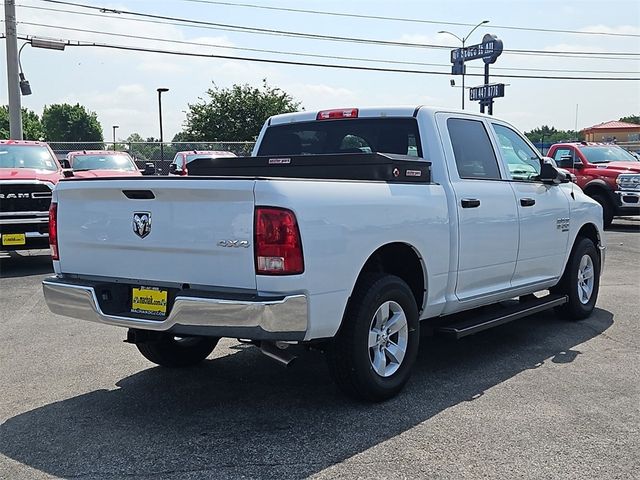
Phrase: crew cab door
(486, 209)
(543, 210)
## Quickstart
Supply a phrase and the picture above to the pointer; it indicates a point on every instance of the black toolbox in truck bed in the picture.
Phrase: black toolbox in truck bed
(383, 167)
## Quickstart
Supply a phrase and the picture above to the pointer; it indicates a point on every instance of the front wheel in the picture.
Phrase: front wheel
(580, 281)
(373, 353)
(169, 350)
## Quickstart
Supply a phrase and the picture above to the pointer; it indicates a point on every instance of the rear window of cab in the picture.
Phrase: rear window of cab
(362, 135)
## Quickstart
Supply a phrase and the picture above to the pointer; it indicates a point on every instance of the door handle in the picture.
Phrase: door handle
(527, 202)
(470, 203)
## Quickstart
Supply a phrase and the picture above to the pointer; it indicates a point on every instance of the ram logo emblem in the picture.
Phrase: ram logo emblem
(142, 223)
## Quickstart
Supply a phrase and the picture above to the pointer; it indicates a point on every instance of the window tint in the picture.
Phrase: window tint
(356, 135)
(523, 162)
(103, 162)
(560, 156)
(472, 149)
(606, 153)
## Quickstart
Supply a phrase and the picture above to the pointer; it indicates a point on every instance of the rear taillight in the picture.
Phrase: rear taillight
(335, 114)
(278, 249)
(53, 231)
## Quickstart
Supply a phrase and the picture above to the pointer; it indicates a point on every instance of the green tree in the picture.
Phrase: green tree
(631, 119)
(236, 113)
(31, 124)
(70, 123)
(552, 135)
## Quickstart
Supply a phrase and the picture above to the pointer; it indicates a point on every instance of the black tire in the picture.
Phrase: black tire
(349, 356)
(167, 350)
(607, 208)
(575, 309)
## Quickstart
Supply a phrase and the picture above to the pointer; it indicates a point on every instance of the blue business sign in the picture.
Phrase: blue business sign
(489, 51)
(485, 92)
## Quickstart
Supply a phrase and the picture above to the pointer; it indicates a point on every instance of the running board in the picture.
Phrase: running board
(469, 326)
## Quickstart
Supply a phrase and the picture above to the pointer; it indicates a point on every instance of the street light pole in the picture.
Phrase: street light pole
(13, 78)
(464, 40)
(160, 92)
(114, 136)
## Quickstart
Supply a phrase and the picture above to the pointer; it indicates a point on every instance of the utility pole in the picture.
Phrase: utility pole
(13, 78)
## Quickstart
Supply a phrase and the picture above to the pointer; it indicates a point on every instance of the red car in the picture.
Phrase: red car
(180, 161)
(28, 172)
(606, 172)
(104, 163)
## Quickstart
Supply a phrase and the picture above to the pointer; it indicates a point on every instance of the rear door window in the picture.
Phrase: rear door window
(472, 149)
(361, 135)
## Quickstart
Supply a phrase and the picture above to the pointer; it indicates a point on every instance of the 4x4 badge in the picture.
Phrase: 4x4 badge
(142, 223)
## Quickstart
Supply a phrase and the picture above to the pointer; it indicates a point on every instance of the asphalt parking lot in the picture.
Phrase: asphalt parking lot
(539, 398)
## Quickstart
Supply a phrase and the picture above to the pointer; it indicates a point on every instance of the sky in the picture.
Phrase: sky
(120, 86)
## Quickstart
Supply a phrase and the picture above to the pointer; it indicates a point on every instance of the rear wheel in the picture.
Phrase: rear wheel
(373, 353)
(169, 350)
(581, 281)
(607, 208)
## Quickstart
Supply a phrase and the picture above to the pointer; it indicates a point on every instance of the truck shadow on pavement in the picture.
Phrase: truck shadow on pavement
(13, 264)
(242, 415)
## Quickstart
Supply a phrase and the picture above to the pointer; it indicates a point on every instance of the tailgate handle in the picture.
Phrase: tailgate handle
(139, 194)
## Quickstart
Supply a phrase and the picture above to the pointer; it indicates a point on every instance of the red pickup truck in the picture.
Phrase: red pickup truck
(606, 172)
(28, 172)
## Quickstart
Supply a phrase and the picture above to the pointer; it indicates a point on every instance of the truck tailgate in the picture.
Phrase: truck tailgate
(193, 226)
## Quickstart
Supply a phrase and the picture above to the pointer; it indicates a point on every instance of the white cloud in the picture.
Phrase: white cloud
(624, 29)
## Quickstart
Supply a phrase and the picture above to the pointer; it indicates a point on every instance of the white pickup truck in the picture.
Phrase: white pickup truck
(348, 230)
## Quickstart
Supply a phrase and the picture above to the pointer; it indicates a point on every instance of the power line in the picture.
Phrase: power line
(302, 54)
(327, 65)
(317, 36)
(407, 20)
(183, 25)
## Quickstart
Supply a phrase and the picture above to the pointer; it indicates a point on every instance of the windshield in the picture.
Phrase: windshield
(27, 156)
(606, 154)
(102, 162)
(362, 135)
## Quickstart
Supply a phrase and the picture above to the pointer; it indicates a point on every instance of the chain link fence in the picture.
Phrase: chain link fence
(160, 154)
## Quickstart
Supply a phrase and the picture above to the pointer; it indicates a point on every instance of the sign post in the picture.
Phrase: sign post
(489, 51)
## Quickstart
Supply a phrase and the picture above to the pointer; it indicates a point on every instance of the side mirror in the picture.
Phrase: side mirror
(149, 169)
(65, 163)
(550, 175)
(578, 165)
(173, 168)
(67, 173)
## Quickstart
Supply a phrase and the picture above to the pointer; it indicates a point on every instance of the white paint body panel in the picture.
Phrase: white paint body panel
(470, 258)
(188, 219)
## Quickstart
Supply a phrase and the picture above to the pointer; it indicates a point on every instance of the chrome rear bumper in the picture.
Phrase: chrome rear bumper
(270, 318)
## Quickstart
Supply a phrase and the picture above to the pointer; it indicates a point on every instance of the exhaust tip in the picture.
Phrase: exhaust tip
(271, 350)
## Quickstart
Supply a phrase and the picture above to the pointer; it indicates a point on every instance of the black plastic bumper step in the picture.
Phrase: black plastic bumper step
(469, 326)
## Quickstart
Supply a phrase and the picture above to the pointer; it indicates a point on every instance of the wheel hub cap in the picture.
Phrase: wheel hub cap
(585, 279)
(388, 338)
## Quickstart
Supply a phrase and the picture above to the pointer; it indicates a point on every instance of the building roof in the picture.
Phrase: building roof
(613, 125)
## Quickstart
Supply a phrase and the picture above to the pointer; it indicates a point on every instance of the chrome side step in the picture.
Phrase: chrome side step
(469, 326)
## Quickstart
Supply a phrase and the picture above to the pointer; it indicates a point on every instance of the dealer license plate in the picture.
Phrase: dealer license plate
(14, 239)
(150, 301)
